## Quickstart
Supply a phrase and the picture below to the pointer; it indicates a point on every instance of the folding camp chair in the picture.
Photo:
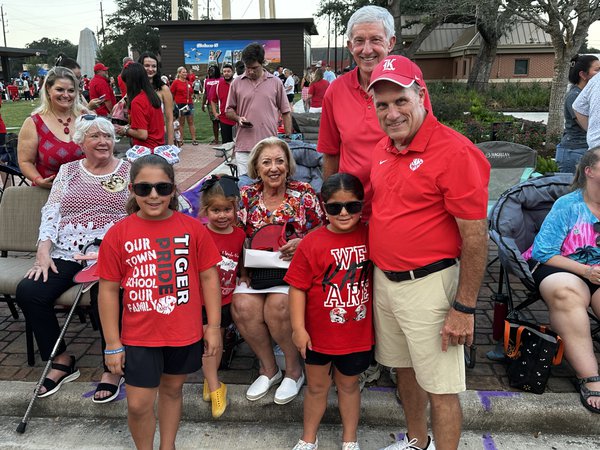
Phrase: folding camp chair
(510, 164)
(514, 222)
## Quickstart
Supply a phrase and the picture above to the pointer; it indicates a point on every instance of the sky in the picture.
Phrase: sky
(29, 20)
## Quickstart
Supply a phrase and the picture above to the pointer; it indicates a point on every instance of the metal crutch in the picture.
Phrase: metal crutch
(84, 286)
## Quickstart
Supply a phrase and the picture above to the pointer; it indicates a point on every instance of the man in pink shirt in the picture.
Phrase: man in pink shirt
(256, 100)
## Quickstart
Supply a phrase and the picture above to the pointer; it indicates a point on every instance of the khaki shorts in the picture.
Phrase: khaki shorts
(408, 318)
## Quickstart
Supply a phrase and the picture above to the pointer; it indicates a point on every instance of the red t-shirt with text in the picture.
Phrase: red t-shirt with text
(230, 245)
(158, 264)
(335, 272)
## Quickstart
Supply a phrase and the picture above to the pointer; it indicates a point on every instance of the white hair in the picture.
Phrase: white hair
(372, 14)
(87, 121)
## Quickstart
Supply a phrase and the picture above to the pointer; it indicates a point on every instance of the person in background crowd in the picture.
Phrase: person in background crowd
(210, 84)
(316, 92)
(256, 100)
(183, 96)
(288, 85)
(306, 79)
(573, 144)
(46, 138)
(219, 101)
(120, 82)
(328, 74)
(152, 68)
(101, 89)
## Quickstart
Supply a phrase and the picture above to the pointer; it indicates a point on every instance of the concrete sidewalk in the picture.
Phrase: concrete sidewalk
(490, 404)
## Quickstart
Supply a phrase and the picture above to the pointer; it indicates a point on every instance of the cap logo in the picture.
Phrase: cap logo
(388, 64)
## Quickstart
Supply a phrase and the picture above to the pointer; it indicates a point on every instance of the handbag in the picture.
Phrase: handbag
(119, 115)
(531, 350)
(267, 239)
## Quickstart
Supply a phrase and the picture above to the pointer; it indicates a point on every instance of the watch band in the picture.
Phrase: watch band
(463, 308)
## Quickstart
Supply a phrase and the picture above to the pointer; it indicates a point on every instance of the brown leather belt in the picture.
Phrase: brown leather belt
(421, 271)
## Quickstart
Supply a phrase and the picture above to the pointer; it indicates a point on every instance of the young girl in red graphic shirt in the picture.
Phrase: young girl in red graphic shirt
(166, 264)
(330, 309)
(220, 196)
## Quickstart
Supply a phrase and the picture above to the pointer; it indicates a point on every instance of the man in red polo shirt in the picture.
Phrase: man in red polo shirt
(429, 211)
(100, 88)
(218, 101)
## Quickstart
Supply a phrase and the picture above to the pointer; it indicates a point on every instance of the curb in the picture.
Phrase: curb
(488, 411)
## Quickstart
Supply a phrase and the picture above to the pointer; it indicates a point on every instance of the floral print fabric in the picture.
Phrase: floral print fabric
(300, 206)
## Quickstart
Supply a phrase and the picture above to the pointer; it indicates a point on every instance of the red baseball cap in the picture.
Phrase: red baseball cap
(399, 70)
(100, 66)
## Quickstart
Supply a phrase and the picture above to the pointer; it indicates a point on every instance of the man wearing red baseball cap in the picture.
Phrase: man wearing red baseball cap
(100, 89)
(429, 187)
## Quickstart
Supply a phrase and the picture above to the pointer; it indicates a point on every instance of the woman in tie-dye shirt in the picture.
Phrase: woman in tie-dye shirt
(566, 267)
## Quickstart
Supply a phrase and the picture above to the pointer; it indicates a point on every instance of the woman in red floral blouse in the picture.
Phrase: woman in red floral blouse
(262, 315)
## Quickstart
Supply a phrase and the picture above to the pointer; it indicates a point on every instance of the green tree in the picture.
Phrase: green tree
(567, 23)
(128, 24)
(54, 47)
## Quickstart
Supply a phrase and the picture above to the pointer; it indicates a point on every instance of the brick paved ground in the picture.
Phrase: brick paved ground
(196, 162)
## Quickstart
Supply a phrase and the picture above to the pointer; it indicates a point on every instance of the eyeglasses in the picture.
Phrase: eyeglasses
(335, 208)
(144, 189)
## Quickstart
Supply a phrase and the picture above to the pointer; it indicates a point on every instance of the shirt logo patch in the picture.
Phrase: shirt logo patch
(381, 161)
(415, 164)
(388, 64)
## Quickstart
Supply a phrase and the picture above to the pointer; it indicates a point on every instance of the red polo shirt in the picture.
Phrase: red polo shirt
(418, 192)
(349, 128)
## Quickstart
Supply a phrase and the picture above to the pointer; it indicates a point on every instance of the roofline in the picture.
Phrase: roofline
(16, 52)
(309, 23)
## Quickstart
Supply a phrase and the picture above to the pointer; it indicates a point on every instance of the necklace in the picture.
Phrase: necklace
(65, 124)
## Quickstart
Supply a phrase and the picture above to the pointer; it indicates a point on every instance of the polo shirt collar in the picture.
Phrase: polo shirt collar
(419, 142)
(266, 74)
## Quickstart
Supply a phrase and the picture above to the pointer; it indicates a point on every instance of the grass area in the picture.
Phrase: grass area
(15, 113)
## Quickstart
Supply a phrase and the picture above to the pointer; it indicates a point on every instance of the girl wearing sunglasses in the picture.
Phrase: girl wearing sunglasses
(330, 309)
(166, 263)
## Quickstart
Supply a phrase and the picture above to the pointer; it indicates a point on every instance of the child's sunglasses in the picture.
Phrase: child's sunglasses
(335, 208)
(144, 189)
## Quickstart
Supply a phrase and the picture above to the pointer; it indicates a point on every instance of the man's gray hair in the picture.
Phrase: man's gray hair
(127, 59)
(371, 14)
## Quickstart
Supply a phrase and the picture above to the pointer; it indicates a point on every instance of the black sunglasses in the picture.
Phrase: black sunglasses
(144, 189)
(89, 117)
(335, 208)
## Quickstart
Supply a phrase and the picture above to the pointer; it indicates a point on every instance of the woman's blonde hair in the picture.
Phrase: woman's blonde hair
(270, 142)
(54, 74)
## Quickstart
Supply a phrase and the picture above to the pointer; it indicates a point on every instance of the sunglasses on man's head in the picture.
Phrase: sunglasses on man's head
(335, 208)
(144, 189)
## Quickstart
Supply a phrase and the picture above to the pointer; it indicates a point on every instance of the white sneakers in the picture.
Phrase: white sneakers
(302, 445)
(285, 393)
(288, 390)
(405, 444)
(261, 386)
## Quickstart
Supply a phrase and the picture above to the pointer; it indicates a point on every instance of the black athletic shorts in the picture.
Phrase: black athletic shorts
(544, 270)
(349, 365)
(145, 365)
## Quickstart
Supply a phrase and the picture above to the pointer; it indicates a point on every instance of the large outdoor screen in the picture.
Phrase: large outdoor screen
(199, 54)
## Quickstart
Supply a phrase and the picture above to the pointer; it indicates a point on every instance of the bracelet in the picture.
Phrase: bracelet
(214, 326)
(126, 130)
(115, 351)
(463, 308)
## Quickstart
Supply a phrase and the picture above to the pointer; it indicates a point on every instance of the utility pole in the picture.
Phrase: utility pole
(102, 24)
(3, 27)
(329, 38)
(208, 9)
